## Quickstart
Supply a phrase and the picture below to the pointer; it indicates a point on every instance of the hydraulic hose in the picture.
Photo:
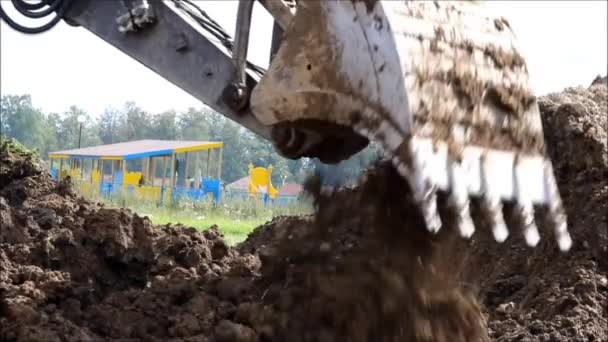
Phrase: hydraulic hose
(30, 10)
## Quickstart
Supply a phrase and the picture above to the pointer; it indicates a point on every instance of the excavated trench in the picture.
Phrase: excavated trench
(359, 269)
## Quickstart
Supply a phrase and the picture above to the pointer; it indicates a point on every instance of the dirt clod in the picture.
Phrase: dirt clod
(359, 269)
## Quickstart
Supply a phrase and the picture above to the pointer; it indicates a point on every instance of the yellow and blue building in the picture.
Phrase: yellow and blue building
(150, 169)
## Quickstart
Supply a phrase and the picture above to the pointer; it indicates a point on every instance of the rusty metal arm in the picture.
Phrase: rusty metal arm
(279, 10)
(167, 44)
(237, 91)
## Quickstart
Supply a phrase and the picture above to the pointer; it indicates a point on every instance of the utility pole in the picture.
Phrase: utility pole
(80, 120)
(79, 135)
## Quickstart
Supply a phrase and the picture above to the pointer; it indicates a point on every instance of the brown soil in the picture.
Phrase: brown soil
(542, 294)
(360, 269)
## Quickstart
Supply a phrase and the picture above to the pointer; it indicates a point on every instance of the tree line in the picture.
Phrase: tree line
(47, 132)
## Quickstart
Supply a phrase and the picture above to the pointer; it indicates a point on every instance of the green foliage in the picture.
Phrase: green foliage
(12, 146)
(68, 130)
(346, 172)
(108, 124)
(20, 120)
(194, 125)
(17, 160)
(51, 132)
(163, 127)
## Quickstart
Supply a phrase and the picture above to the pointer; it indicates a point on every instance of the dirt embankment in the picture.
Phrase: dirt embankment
(542, 294)
(360, 269)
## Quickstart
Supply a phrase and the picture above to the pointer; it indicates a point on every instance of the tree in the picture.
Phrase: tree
(192, 125)
(347, 172)
(138, 123)
(234, 161)
(68, 130)
(108, 125)
(298, 169)
(52, 125)
(164, 126)
(215, 122)
(20, 120)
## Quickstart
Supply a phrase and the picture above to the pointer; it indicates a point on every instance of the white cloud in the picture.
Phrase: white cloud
(564, 42)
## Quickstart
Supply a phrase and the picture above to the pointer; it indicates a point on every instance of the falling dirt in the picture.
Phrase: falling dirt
(359, 269)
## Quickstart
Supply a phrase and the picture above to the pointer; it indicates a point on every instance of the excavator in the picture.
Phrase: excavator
(441, 86)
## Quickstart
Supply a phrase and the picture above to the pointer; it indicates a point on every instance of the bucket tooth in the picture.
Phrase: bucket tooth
(531, 233)
(429, 211)
(524, 203)
(564, 241)
(556, 215)
(466, 226)
(425, 191)
(499, 227)
(459, 198)
(491, 166)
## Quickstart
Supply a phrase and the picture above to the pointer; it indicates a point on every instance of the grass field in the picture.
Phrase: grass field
(235, 218)
(235, 230)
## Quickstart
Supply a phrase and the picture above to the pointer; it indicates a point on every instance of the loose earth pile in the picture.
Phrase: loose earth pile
(359, 269)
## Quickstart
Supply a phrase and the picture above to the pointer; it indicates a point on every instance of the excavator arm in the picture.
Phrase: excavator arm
(440, 86)
(159, 36)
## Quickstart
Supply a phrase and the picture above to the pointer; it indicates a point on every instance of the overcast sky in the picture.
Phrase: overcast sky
(564, 43)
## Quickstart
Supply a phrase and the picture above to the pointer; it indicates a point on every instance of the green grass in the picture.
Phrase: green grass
(235, 230)
(235, 218)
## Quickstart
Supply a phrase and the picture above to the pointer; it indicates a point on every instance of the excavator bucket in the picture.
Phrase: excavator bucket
(440, 86)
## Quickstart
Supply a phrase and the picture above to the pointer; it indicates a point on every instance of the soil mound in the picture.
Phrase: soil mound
(359, 269)
(72, 270)
(542, 294)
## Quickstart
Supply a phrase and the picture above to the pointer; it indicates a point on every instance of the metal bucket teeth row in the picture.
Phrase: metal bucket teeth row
(492, 176)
